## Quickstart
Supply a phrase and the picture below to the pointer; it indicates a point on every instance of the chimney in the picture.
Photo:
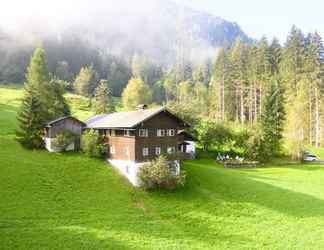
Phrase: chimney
(141, 107)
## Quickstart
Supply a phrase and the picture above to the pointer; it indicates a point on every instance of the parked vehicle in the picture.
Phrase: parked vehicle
(310, 157)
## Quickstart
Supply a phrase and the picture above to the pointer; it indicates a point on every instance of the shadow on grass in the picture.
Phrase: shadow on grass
(238, 187)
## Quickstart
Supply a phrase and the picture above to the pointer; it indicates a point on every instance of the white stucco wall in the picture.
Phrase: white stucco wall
(191, 147)
(130, 169)
(49, 145)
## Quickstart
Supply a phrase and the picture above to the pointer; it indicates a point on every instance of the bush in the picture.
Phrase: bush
(64, 139)
(212, 134)
(92, 144)
(158, 174)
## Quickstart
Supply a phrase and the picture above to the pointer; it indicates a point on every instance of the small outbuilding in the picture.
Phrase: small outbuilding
(187, 144)
(55, 127)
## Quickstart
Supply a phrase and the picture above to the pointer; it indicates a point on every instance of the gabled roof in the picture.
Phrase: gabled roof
(51, 123)
(126, 119)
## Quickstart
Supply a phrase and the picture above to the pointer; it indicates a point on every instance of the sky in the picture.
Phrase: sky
(272, 18)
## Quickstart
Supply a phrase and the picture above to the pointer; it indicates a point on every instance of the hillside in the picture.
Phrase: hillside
(97, 32)
(68, 201)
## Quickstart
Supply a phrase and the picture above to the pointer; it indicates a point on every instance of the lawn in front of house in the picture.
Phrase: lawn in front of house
(69, 201)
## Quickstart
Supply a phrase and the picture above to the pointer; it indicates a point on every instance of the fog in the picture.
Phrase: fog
(154, 28)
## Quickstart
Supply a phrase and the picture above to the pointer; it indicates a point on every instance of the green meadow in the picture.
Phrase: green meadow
(69, 201)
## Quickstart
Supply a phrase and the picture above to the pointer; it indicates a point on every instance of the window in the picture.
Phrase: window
(160, 132)
(157, 150)
(112, 150)
(171, 150)
(145, 151)
(143, 132)
(112, 132)
(171, 132)
(126, 132)
(127, 151)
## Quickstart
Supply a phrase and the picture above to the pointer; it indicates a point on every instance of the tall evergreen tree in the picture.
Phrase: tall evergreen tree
(38, 78)
(59, 106)
(87, 81)
(314, 72)
(235, 91)
(30, 119)
(272, 119)
(292, 66)
(275, 51)
(103, 103)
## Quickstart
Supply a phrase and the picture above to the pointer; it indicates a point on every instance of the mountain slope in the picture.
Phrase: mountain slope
(95, 30)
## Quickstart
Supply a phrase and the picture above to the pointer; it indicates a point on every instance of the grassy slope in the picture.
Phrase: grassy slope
(68, 201)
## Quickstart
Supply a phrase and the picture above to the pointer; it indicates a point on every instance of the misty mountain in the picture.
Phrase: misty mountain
(95, 32)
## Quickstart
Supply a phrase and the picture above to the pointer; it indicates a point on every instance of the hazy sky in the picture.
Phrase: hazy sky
(267, 17)
(256, 17)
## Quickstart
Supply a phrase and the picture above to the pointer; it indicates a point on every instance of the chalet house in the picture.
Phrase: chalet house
(53, 128)
(137, 137)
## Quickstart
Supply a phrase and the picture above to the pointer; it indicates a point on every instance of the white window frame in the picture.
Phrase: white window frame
(157, 150)
(171, 132)
(126, 132)
(143, 132)
(112, 150)
(171, 150)
(160, 132)
(145, 151)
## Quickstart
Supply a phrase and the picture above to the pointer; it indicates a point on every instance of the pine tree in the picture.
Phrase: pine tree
(314, 74)
(235, 90)
(30, 119)
(275, 51)
(136, 92)
(37, 72)
(217, 86)
(170, 86)
(59, 105)
(87, 81)
(292, 64)
(103, 103)
(263, 69)
(272, 119)
(38, 78)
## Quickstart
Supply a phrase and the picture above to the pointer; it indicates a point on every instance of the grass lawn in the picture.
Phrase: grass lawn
(68, 201)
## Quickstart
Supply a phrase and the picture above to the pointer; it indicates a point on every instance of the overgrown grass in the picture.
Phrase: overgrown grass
(68, 201)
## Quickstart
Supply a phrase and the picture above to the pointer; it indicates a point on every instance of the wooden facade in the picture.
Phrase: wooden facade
(65, 123)
(53, 128)
(142, 146)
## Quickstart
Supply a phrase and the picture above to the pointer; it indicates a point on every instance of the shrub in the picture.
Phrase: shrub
(212, 134)
(158, 174)
(64, 139)
(92, 144)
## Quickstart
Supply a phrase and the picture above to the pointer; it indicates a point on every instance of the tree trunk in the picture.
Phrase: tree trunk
(223, 98)
(317, 124)
(260, 104)
(242, 104)
(255, 102)
(310, 119)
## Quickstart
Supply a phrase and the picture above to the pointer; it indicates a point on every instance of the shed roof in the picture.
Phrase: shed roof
(126, 119)
(51, 123)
